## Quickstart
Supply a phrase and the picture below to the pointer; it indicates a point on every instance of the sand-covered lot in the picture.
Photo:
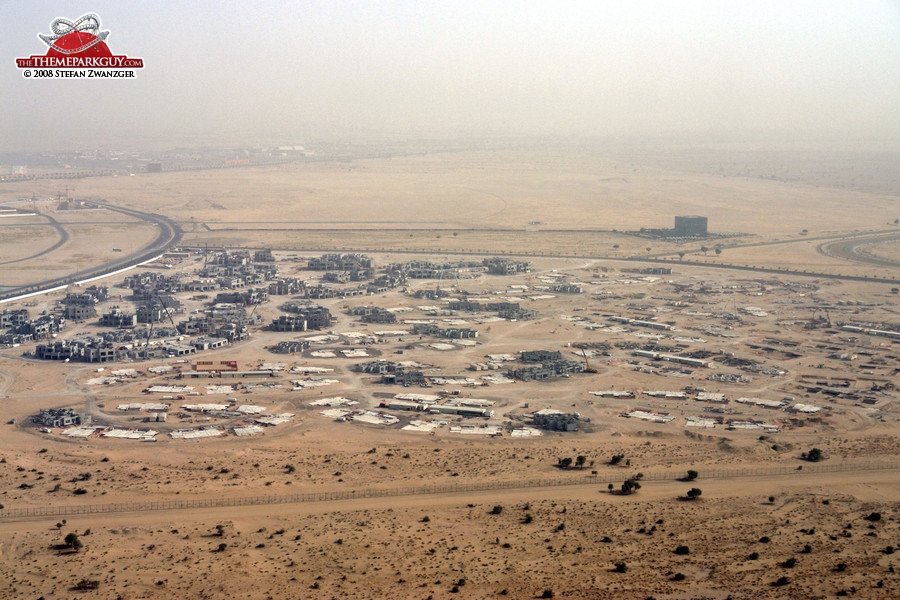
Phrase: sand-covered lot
(768, 524)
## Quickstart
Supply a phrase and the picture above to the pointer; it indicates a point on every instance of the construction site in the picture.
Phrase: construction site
(376, 383)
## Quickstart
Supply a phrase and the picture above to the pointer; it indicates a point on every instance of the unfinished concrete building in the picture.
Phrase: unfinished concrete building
(42, 327)
(247, 297)
(547, 370)
(376, 367)
(286, 287)
(151, 313)
(289, 323)
(505, 310)
(457, 333)
(373, 314)
(208, 343)
(404, 377)
(13, 318)
(540, 356)
(359, 266)
(289, 347)
(317, 317)
(567, 288)
(233, 332)
(505, 266)
(197, 325)
(556, 421)
(79, 307)
(60, 417)
(119, 319)
(91, 350)
(517, 314)
(263, 256)
(229, 258)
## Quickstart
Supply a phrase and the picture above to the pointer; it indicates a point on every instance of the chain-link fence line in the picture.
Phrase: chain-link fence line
(600, 480)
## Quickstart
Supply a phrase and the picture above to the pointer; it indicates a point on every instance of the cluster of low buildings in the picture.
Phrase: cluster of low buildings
(81, 306)
(20, 328)
(302, 316)
(440, 405)
(511, 311)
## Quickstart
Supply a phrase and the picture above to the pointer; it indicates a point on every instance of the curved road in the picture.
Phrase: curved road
(63, 238)
(169, 235)
(850, 249)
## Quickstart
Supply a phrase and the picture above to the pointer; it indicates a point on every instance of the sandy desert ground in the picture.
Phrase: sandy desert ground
(806, 534)
(532, 203)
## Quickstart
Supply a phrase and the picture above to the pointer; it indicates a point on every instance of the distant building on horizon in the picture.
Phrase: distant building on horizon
(691, 226)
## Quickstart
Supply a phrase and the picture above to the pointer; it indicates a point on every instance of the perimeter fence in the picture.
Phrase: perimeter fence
(602, 481)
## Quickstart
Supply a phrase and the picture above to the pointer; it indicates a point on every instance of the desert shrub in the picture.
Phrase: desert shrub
(630, 486)
(86, 584)
(814, 455)
(71, 540)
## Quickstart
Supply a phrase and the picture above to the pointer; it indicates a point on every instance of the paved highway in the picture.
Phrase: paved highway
(169, 235)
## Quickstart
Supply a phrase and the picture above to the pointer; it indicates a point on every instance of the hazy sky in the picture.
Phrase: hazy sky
(224, 71)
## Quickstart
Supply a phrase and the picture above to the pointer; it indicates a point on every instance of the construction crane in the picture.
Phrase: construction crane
(152, 320)
(587, 365)
(149, 335)
(252, 310)
(815, 321)
(165, 309)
